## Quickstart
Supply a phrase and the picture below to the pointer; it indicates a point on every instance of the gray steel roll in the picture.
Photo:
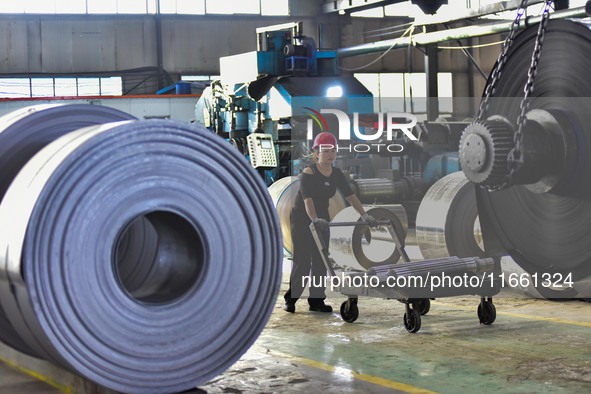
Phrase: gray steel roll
(447, 221)
(86, 209)
(549, 232)
(382, 190)
(361, 247)
(22, 134)
(283, 193)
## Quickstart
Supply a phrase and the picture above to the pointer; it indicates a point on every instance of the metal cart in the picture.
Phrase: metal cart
(478, 277)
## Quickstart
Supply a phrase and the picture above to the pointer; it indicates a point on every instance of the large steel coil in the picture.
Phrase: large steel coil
(447, 221)
(119, 264)
(283, 193)
(361, 247)
(22, 134)
(545, 232)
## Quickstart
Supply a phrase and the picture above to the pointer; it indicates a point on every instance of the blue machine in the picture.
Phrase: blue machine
(269, 90)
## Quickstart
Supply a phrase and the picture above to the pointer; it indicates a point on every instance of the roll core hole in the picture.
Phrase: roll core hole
(159, 257)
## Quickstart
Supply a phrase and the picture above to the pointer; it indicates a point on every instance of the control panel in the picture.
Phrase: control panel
(261, 150)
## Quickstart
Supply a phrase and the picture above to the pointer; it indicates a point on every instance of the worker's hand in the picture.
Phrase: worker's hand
(368, 219)
(320, 223)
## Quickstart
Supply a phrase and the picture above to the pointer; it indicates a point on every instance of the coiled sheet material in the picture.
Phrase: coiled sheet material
(447, 220)
(22, 134)
(284, 192)
(546, 232)
(361, 247)
(144, 256)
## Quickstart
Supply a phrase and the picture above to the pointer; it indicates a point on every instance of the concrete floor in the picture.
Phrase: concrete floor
(535, 346)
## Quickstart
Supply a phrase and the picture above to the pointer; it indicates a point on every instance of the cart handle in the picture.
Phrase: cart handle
(353, 224)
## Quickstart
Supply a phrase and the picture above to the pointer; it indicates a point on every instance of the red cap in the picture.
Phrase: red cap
(324, 138)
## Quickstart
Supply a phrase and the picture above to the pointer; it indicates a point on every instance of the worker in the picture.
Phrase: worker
(319, 182)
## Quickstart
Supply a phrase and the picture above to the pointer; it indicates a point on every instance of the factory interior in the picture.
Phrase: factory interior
(171, 169)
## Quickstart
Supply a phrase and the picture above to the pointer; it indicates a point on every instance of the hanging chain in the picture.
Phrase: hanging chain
(496, 73)
(514, 159)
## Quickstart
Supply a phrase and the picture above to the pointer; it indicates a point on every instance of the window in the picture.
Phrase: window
(274, 7)
(60, 87)
(132, 6)
(39, 7)
(102, 6)
(393, 91)
(233, 7)
(111, 86)
(12, 7)
(188, 7)
(42, 87)
(168, 6)
(69, 6)
(15, 87)
(65, 87)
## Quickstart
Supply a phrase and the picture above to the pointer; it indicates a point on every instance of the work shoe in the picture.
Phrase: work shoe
(289, 308)
(321, 308)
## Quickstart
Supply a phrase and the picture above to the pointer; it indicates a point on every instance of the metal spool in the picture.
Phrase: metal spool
(379, 189)
(549, 231)
(447, 221)
(283, 193)
(22, 134)
(119, 266)
(361, 247)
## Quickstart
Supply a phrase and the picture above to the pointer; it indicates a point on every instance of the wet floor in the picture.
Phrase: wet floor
(535, 346)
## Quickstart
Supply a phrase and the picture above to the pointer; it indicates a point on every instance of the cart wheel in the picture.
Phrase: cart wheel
(423, 306)
(412, 320)
(349, 311)
(487, 313)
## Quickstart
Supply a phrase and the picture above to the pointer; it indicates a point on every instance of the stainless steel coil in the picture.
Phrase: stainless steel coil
(361, 247)
(283, 193)
(379, 189)
(118, 263)
(447, 220)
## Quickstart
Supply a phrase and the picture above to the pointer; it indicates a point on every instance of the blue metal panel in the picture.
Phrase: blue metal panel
(441, 165)
(270, 63)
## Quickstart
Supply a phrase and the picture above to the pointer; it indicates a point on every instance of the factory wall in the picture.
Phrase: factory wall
(75, 44)
(192, 45)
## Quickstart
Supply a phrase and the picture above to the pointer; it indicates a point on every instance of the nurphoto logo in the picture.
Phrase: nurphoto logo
(391, 128)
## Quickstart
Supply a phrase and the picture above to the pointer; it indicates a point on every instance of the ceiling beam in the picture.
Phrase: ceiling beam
(451, 34)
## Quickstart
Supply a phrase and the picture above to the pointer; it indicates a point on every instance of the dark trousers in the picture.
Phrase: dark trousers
(307, 265)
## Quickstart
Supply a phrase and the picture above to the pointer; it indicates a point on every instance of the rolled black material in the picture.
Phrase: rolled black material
(22, 134)
(144, 256)
(549, 232)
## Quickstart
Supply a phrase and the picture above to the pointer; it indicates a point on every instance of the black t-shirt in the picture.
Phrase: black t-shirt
(320, 188)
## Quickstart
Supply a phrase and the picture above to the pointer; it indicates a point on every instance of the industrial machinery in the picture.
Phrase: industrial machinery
(261, 92)
(528, 152)
(269, 102)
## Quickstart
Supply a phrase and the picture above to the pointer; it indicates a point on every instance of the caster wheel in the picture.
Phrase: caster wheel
(487, 313)
(423, 306)
(412, 321)
(349, 311)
